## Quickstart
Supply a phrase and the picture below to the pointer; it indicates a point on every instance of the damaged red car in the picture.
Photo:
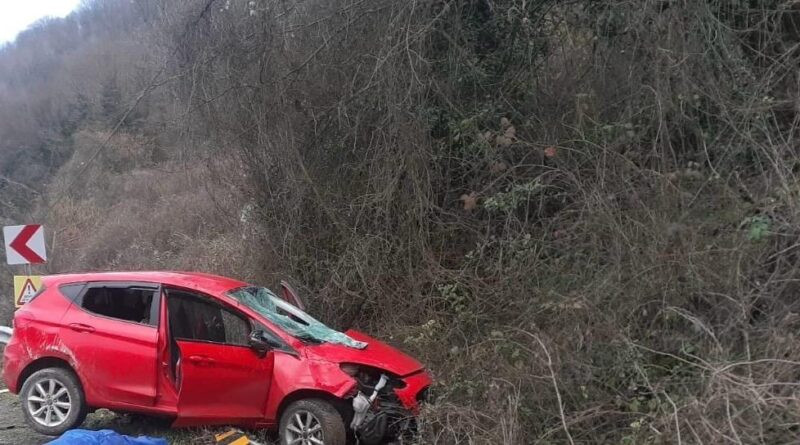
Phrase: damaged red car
(204, 350)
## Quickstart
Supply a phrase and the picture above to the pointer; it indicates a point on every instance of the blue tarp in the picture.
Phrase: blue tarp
(103, 437)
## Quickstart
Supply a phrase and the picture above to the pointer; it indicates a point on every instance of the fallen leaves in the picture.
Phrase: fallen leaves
(470, 201)
(510, 132)
(503, 141)
(509, 135)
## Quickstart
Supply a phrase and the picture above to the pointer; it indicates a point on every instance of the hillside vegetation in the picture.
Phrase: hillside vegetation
(583, 216)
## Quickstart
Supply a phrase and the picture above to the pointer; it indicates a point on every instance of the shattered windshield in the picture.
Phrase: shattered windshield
(290, 318)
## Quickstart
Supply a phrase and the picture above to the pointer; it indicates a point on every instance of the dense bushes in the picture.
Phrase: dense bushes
(581, 215)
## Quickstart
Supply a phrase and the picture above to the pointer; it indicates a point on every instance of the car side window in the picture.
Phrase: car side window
(197, 318)
(131, 304)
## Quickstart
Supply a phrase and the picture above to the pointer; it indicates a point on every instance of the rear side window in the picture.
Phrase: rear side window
(132, 304)
(71, 291)
(193, 317)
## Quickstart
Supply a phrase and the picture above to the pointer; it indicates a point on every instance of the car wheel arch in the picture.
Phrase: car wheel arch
(44, 363)
(343, 406)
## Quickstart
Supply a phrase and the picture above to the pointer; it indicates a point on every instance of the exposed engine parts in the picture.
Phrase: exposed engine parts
(379, 416)
(362, 403)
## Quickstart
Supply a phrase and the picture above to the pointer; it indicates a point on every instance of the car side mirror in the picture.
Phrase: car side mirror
(262, 341)
(259, 342)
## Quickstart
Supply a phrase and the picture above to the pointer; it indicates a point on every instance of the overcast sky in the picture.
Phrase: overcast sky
(17, 15)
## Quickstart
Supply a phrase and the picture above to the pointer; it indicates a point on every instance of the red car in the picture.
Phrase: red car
(204, 350)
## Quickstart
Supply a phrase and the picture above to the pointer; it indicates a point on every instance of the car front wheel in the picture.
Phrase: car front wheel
(52, 401)
(312, 422)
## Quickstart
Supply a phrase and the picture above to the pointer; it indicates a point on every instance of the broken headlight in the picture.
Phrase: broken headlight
(368, 377)
(349, 369)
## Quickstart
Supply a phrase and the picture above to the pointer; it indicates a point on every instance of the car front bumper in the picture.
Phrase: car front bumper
(414, 390)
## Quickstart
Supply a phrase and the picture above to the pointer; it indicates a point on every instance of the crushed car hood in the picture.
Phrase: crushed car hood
(377, 355)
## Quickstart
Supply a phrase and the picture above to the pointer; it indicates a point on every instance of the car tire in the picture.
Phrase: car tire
(52, 401)
(314, 417)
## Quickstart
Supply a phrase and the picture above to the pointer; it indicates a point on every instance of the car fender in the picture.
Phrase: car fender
(294, 374)
(42, 344)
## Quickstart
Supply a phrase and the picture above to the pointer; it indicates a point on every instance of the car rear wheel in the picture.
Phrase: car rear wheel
(312, 422)
(52, 401)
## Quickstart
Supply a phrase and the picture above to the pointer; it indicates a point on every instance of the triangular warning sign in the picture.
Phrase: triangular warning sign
(28, 291)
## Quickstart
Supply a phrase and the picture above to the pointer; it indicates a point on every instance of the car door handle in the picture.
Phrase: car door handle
(78, 327)
(201, 360)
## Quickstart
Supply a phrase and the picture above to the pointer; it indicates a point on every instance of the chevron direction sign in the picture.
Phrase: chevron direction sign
(24, 244)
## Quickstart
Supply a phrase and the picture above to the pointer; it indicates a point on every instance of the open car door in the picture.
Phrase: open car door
(220, 378)
(290, 295)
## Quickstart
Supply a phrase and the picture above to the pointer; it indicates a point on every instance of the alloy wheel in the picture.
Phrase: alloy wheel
(304, 429)
(49, 403)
